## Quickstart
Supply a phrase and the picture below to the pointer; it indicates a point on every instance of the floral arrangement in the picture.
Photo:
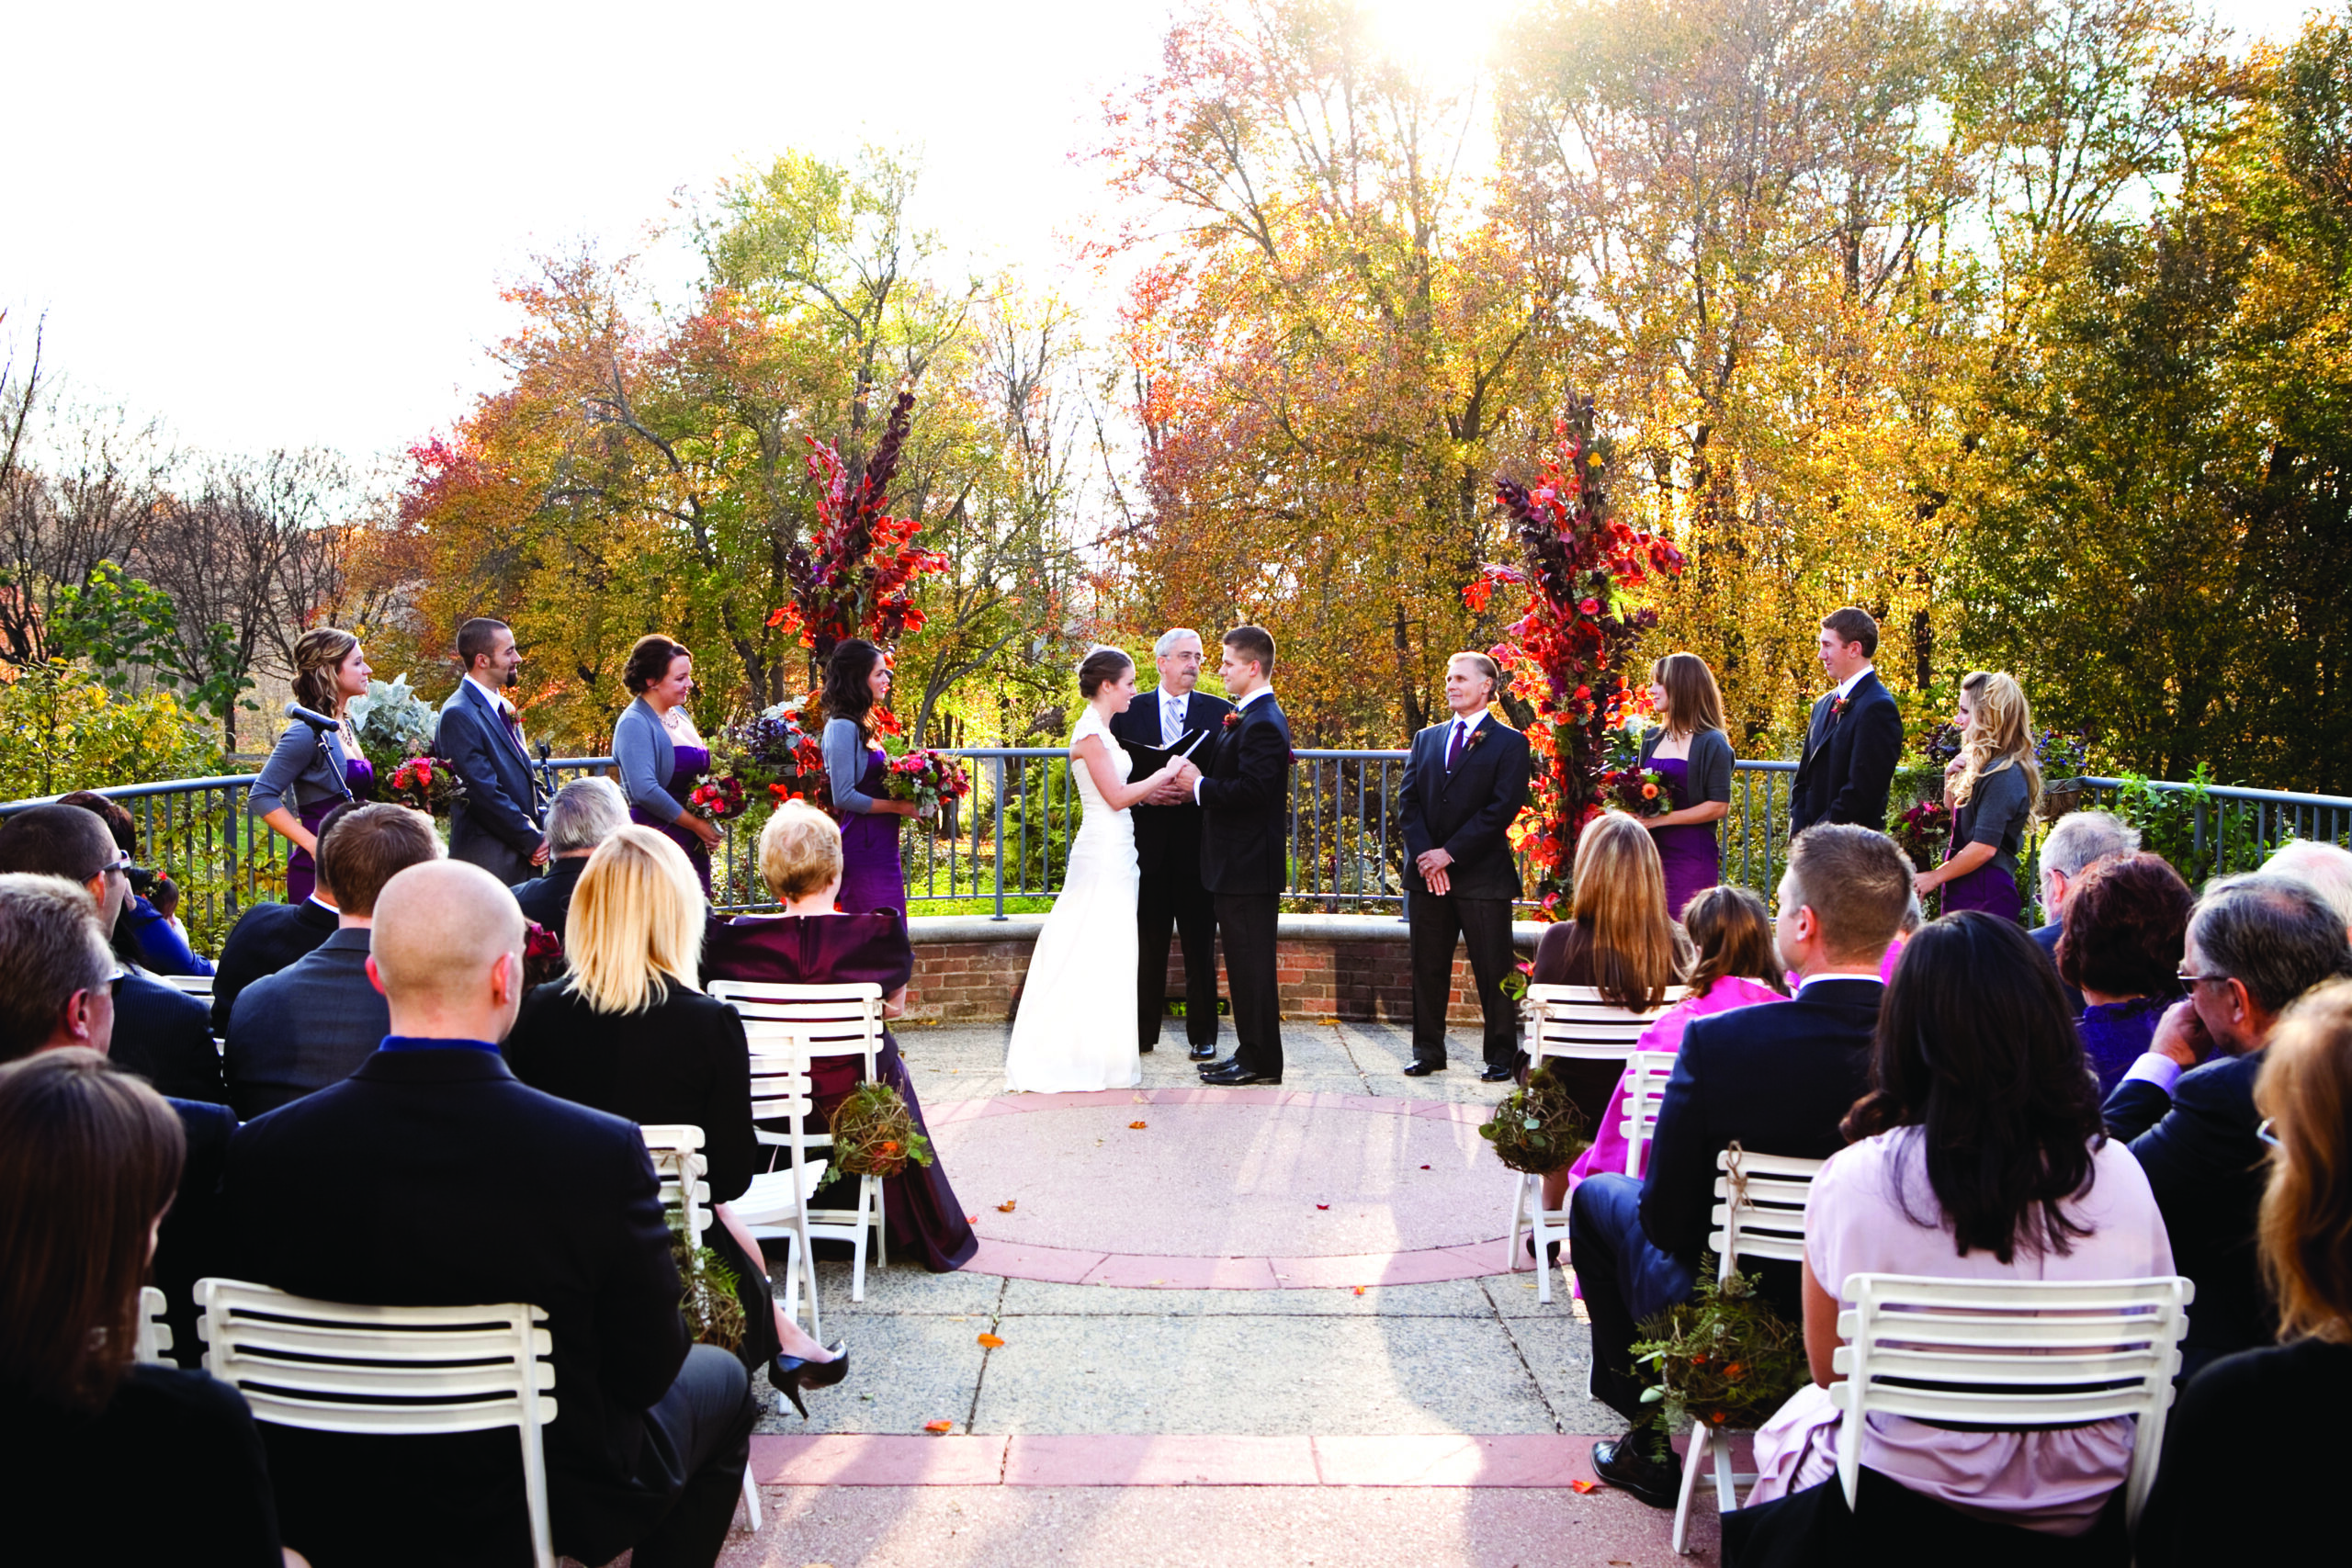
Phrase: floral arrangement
(543, 957)
(1724, 1357)
(719, 800)
(1537, 1129)
(425, 783)
(1641, 791)
(1584, 572)
(875, 1134)
(391, 724)
(927, 778)
(1514, 985)
(1923, 833)
(770, 754)
(713, 1313)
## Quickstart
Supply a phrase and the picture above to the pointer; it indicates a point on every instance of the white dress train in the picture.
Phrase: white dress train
(1076, 1026)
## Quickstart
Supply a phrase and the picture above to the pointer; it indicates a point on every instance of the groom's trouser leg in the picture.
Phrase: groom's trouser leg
(1431, 925)
(1246, 922)
(1486, 931)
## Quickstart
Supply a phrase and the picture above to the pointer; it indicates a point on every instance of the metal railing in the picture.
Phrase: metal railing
(1004, 849)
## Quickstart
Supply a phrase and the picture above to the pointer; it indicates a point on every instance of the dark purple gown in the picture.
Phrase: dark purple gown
(922, 1210)
(691, 763)
(872, 878)
(1686, 853)
(301, 871)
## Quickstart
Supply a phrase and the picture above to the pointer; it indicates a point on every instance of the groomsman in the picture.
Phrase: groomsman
(1855, 735)
(1169, 897)
(1464, 784)
(497, 824)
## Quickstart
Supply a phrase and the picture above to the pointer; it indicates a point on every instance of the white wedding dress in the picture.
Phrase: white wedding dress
(1076, 1026)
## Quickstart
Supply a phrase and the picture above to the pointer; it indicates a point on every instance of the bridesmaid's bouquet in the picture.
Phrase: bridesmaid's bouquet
(1923, 833)
(927, 778)
(1641, 791)
(719, 800)
(423, 784)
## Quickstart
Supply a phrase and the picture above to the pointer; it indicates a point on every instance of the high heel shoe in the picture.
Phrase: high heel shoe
(791, 1374)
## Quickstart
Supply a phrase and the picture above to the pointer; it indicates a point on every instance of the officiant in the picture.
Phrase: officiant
(1466, 781)
(1169, 897)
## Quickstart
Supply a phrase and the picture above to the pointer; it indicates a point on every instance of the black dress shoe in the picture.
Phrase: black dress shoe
(1495, 1072)
(1626, 1464)
(1204, 1052)
(790, 1374)
(1234, 1076)
(1422, 1070)
(1551, 1251)
(1146, 1050)
(1211, 1065)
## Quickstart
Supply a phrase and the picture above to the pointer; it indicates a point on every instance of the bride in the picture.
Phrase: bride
(1075, 1028)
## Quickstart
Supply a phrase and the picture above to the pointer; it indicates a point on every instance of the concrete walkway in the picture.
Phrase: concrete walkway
(1200, 1362)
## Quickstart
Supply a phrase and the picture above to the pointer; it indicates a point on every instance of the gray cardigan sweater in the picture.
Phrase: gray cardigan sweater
(299, 772)
(647, 761)
(1708, 769)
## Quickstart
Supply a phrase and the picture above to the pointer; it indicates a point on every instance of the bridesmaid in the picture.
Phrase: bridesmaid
(1690, 749)
(1993, 788)
(308, 775)
(857, 681)
(659, 751)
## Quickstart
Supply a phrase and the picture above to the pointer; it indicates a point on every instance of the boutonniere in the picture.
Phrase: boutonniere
(1472, 744)
(1233, 720)
(1837, 709)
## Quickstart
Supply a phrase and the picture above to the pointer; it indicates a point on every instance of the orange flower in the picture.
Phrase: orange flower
(1716, 1416)
(1649, 792)
(890, 1146)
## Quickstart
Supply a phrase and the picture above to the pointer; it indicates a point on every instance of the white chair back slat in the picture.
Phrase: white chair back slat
(1646, 1076)
(198, 986)
(155, 1334)
(2019, 1354)
(1761, 1210)
(333, 1367)
(1577, 1022)
(676, 1151)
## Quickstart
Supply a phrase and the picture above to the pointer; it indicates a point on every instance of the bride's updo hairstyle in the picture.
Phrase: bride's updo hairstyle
(1100, 668)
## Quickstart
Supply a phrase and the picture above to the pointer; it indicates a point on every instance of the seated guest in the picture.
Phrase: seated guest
(160, 1033)
(2075, 843)
(1993, 788)
(272, 936)
(2305, 1245)
(1736, 967)
(1978, 1155)
(89, 1160)
(310, 1023)
(430, 1177)
(1779, 1079)
(2326, 867)
(1914, 916)
(2255, 945)
(60, 996)
(1621, 941)
(583, 814)
(2126, 919)
(145, 935)
(630, 1032)
(811, 943)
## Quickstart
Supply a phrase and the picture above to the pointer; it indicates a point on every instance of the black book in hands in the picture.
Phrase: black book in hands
(1145, 761)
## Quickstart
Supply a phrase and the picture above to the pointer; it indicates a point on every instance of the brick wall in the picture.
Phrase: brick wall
(1356, 967)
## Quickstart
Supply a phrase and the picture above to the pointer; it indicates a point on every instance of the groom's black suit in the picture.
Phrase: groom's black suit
(1168, 894)
(1245, 864)
(1849, 759)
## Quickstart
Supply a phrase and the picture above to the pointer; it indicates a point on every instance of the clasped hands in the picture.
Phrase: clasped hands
(1176, 785)
(1432, 864)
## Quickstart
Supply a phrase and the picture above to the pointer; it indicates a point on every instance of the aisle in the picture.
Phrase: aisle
(1199, 1364)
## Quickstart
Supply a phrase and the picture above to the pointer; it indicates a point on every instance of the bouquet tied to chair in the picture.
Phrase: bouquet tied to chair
(1537, 1129)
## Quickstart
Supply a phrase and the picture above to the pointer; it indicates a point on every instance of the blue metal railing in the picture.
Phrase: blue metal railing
(1006, 845)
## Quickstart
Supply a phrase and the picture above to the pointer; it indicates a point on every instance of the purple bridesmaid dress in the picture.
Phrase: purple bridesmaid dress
(872, 878)
(301, 871)
(691, 763)
(1686, 853)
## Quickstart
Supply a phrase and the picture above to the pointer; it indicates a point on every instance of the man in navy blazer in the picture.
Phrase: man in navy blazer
(1854, 736)
(1169, 897)
(2255, 945)
(1466, 781)
(431, 1176)
(498, 825)
(272, 936)
(1777, 1078)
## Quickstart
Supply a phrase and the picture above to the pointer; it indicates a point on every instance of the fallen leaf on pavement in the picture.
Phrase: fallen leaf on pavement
(1322, 1205)
(1008, 1205)
(1359, 1289)
(1585, 1485)
(1425, 1168)
(1139, 1126)
(971, 1219)
(936, 1428)
(991, 1342)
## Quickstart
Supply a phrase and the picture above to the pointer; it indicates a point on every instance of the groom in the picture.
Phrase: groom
(1170, 899)
(1855, 735)
(1245, 806)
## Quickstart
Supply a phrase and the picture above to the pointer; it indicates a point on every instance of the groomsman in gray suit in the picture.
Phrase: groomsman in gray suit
(498, 826)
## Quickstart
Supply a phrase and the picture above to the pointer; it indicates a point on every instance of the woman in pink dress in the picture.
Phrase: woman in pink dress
(1739, 966)
(1980, 1154)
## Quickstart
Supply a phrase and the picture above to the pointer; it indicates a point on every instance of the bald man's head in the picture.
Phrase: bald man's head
(447, 951)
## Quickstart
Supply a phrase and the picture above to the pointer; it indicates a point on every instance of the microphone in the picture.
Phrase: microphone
(316, 720)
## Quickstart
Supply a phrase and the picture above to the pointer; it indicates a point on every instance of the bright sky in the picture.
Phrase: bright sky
(281, 225)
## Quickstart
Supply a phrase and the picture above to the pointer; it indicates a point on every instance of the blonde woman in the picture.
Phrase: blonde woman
(1690, 751)
(1993, 788)
(629, 1031)
(310, 771)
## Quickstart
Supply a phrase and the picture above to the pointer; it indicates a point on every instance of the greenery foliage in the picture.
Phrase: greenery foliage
(1538, 1128)
(66, 728)
(1724, 1357)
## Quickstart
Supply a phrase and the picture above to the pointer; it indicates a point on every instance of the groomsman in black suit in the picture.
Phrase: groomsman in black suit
(1169, 897)
(1245, 839)
(1855, 735)
(498, 825)
(1464, 784)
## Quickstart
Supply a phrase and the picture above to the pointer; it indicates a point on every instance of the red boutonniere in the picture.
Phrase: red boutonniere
(1837, 709)
(1472, 744)
(1233, 720)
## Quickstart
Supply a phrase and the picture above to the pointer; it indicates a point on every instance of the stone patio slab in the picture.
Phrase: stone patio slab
(1159, 1462)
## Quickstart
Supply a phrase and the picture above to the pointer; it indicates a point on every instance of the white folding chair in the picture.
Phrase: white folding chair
(155, 1334)
(198, 986)
(331, 1367)
(1646, 1076)
(776, 1207)
(813, 1022)
(2011, 1355)
(1758, 1213)
(675, 1147)
(1573, 1023)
